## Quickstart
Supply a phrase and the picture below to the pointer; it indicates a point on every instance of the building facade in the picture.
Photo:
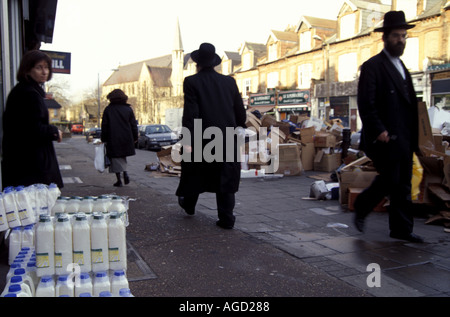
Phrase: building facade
(325, 61)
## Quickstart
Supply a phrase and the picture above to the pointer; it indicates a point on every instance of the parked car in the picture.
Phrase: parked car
(155, 136)
(77, 129)
(95, 133)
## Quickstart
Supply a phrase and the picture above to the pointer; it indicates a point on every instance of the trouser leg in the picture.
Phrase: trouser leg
(188, 203)
(225, 207)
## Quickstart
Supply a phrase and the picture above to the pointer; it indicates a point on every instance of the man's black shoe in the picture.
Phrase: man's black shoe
(411, 237)
(224, 226)
(181, 203)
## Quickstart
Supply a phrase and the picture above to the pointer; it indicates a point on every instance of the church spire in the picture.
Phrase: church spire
(178, 44)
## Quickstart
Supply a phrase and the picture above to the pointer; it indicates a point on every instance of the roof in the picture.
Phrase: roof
(285, 36)
(160, 76)
(131, 72)
(313, 22)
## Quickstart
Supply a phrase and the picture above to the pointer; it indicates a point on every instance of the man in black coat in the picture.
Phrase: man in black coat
(388, 108)
(212, 102)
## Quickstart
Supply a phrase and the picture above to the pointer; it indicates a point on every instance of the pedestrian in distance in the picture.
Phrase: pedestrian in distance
(28, 153)
(387, 105)
(119, 133)
(211, 100)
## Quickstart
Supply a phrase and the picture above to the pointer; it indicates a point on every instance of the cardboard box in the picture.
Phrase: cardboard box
(253, 122)
(289, 161)
(307, 135)
(324, 140)
(267, 121)
(355, 175)
(354, 192)
(425, 131)
(326, 162)
(307, 156)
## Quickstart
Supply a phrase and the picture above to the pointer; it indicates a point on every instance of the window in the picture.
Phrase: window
(347, 67)
(272, 80)
(273, 52)
(304, 75)
(305, 41)
(247, 60)
(347, 26)
(247, 87)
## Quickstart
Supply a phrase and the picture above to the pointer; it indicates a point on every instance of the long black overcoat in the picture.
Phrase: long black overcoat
(386, 101)
(119, 130)
(28, 153)
(215, 99)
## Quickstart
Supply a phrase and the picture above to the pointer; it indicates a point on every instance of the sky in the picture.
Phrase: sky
(103, 34)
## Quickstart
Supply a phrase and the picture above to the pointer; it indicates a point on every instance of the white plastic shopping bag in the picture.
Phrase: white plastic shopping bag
(99, 160)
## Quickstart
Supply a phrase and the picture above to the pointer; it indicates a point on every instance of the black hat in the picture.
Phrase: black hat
(206, 56)
(394, 20)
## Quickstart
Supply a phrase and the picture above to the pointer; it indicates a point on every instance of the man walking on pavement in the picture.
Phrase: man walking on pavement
(388, 108)
(211, 101)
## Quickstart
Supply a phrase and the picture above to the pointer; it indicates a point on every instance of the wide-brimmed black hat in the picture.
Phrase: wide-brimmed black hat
(206, 56)
(394, 20)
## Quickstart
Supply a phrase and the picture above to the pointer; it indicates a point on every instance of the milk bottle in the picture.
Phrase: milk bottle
(31, 271)
(16, 291)
(15, 244)
(64, 286)
(101, 204)
(86, 205)
(19, 281)
(11, 211)
(117, 243)
(28, 236)
(60, 205)
(12, 268)
(101, 283)
(26, 212)
(3, 220)
(99, 243)
(82, 243)
(52, 195)
(73, 205)
(105, 294)
(63, 244)
(45, 247)
(118, 282)
(25, 278)
(125, 292)
(83, 285)
(46, 287)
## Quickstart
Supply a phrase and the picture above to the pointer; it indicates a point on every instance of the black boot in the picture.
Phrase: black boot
(126, 179)
(119, 182)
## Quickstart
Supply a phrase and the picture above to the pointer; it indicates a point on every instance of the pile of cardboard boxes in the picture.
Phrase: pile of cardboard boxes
(304, 144)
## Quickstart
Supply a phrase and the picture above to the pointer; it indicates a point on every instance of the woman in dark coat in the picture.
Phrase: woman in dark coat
(215, 100)
(119, 133)
(28, 153)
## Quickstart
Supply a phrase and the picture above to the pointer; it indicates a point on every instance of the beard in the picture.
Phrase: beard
(395, 49)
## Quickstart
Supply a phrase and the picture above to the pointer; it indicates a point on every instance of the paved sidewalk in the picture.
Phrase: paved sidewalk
(282, 246)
